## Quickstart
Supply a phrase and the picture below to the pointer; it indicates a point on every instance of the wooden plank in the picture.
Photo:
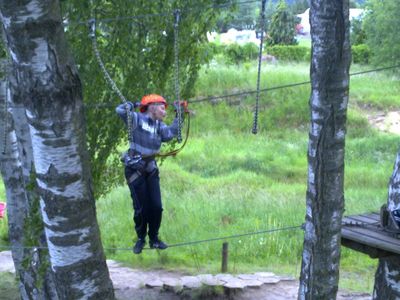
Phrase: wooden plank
(369, 219)
(360, 234)
(371, 235)
(368, 237)
(374, 231)
(371, 251)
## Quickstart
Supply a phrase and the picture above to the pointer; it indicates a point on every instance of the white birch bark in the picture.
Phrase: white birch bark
(36, 278)
(50, 89)
(328, 102)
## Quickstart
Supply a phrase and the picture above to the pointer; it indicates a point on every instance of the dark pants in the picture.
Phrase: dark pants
(146, 197)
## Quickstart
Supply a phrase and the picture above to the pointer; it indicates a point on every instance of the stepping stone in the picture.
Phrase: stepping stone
(154, 283)
(224, 277)
(172, 284)
(235, 283)
(265, 274)
(208, 279)
(251, 280)
(190, 282)
(247, 276)
(7, 264)
(267, 277)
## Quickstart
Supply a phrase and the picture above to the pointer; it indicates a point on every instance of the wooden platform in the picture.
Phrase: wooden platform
(363, 233)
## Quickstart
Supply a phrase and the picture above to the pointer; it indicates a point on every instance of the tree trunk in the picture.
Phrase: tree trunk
(11, 172)
(36, 277)
(49, 87)
(387, 276)
(330, 64)
(29, 266)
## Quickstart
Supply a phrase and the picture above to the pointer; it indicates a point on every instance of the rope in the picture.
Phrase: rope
(262, 22)
(188, 242)
(110, 81)
(176, 151)
(176, 54)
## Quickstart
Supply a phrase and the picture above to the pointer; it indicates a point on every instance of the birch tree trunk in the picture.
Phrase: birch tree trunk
(49, 87)
(387, 276)
(31, 263)
(330, 64)
(11, 172)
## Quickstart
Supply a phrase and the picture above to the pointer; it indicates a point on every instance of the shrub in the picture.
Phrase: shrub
(361, 54)
(235, 53)
(289, 53)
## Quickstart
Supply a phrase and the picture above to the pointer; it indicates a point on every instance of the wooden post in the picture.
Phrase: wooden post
(224, 266)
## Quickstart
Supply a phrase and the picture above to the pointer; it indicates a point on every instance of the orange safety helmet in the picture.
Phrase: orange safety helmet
(149, 99)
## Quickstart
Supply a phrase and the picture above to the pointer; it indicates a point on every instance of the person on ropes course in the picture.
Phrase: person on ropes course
(148, 131)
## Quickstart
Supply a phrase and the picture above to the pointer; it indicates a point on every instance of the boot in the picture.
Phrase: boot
(137, 249)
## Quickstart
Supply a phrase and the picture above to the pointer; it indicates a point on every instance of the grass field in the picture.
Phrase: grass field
(228, 181)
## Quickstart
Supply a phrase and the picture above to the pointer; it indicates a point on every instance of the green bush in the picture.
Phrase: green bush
(289, 53)
(361, 54)
(236, 54)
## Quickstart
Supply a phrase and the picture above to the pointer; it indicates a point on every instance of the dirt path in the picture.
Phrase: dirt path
(135, 284)
(385, 121)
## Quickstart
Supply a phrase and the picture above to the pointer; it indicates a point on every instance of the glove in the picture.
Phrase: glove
(183, 107)
(130, 105)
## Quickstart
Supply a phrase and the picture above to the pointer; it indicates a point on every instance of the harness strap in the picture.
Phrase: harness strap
(134, 176)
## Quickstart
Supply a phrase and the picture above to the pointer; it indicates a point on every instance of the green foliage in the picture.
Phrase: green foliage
(382, 26)
(282, 29)
(357, 33)
(33, 225)
(299, 6)
(235, 53)
(245, 16)
(9, 287)
(290, 53)
(361, 54)
(139, 55)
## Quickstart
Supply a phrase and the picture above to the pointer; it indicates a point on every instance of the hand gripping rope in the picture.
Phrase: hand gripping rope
(176, 54)
(262, 25)
(110, 81)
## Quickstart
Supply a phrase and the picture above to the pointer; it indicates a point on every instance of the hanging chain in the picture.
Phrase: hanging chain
(176, 53)
(262, 25)
(110, 81)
